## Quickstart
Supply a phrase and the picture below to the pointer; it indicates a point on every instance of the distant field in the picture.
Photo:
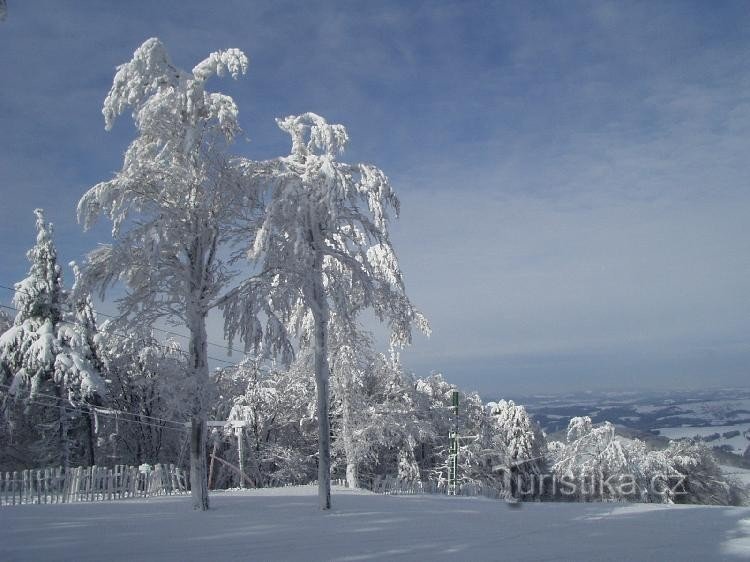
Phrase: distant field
(669, 414)
(738, 443)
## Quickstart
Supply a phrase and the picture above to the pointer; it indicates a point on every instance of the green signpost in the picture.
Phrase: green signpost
(453, 457)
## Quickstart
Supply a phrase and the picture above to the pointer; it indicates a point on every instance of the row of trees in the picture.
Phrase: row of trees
(113, 397)
(291, 251)
(284, 248)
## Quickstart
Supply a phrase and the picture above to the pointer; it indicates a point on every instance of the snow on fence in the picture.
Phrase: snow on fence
(95, 483)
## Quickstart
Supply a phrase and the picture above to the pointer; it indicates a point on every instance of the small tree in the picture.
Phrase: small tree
(520, 444)
(373, 406)
(323, 245)
(170, 207)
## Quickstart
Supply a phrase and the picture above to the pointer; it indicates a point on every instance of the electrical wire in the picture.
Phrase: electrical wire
(101, 411)
(70, 408)
(123, 335)
(169, 332)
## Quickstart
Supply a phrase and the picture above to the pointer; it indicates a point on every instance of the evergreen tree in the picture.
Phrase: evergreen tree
(46, 356)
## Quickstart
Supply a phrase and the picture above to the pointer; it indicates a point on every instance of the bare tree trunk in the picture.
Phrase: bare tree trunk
(211, 466)
(199, 363)
(198, 480)
(319, 307)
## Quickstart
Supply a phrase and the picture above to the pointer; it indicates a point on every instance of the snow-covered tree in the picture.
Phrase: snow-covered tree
(591, 456)
(276, 405)
(376, 419)
(702, 480)
(351, 357)
(323, 245)
(596, 464)
(520, 447)
(475, 454)
(170, 205)
(149, 385)
(46, 356)
(5, 321)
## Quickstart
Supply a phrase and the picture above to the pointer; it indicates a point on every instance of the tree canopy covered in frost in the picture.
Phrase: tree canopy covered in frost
(278, 407)
(520, 443)
(170, 206)
(322, 249)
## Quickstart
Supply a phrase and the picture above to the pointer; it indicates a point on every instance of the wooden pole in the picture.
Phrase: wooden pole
(211, 466)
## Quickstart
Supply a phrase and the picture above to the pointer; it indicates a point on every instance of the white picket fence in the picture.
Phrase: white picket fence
(95, 483)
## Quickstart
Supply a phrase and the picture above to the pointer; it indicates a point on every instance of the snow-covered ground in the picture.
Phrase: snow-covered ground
(285, 524)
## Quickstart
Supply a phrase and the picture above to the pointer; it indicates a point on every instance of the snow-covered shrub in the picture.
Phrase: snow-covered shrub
(702, 481)
(594, 464)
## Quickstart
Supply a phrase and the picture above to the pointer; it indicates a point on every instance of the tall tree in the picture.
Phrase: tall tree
(324, 244)
(170, 206)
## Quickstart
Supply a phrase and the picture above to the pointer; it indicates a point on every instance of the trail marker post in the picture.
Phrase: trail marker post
(453, 457)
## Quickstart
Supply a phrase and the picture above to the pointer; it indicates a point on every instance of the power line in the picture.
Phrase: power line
(123, 335)
(168, 332)
(102, 411)
(71, 408)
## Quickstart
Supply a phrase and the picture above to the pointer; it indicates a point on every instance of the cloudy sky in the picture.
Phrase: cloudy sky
(575, 177)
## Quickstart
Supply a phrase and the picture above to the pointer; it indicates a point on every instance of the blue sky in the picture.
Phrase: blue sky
(573, 176)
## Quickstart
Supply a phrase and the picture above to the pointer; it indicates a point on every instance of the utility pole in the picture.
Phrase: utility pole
(453, 457)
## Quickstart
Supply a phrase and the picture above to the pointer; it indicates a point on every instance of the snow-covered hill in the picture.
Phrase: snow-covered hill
(284, 523)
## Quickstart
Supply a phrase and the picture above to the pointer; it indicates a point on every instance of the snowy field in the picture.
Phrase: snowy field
(285, 524)
(738, 443)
